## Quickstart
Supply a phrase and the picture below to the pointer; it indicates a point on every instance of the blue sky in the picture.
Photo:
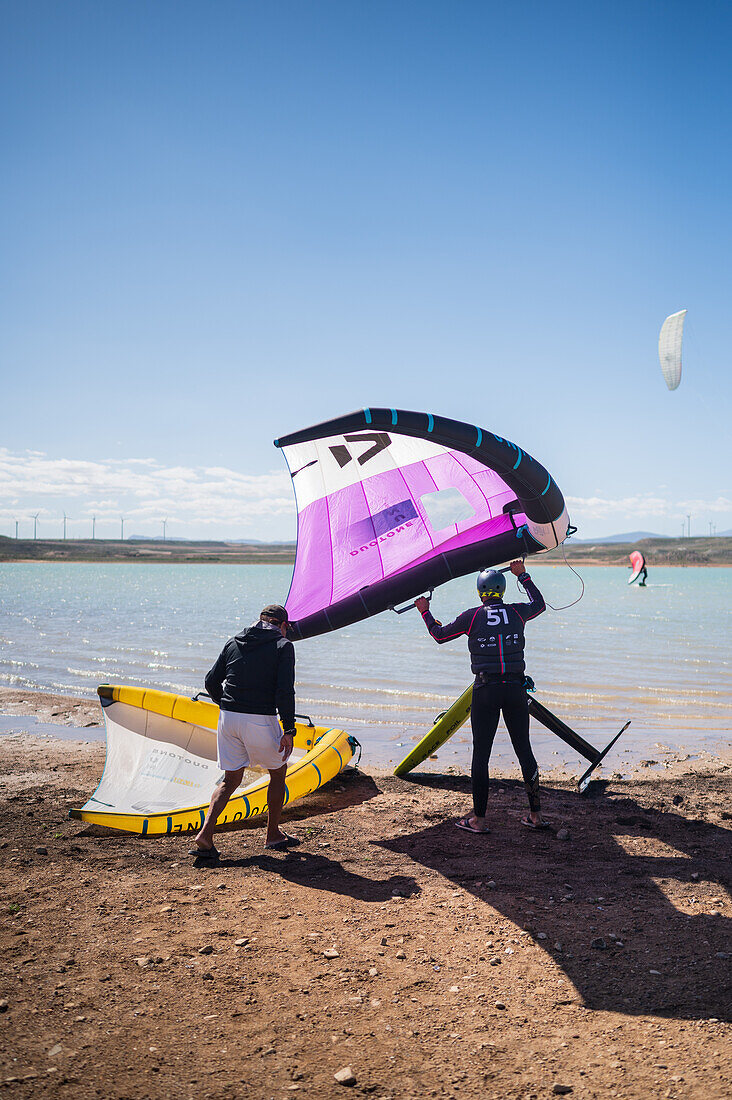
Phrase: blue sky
(223, 222)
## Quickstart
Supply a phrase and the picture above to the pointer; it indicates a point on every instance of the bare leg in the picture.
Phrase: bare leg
(222, 794)
(275, 802)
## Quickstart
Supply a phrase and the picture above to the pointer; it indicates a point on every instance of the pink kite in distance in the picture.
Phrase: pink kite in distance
(638, 567)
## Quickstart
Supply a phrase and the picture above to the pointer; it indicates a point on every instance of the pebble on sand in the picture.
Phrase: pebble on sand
(4, 1006)
(345, 1076)
(561, 1090)
(563, 834)
(331, 953)
(206, 950)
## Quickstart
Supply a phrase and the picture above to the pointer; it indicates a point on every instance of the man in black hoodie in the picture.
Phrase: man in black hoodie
(253, 679)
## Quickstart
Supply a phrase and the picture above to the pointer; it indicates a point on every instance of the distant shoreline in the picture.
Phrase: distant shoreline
(708, 552)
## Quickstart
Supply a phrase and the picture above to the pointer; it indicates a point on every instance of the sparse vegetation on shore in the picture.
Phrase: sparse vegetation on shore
(657, 552)
(695, 551)
(131, 550)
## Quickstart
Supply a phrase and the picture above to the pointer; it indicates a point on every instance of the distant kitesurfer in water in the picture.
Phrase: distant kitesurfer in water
(495, 633)
(638, 567)
(252, 680)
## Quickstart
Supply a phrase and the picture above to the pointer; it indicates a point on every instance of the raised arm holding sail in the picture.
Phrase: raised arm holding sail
(495, 633)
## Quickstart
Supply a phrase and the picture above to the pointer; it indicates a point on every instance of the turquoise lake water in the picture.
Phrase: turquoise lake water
(659, 655)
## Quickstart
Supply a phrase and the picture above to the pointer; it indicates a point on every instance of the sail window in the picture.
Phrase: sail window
(445, 508)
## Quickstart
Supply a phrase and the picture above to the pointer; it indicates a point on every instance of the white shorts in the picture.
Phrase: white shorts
(248, 741)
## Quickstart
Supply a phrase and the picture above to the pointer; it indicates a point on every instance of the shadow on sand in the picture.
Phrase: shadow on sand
(600, 902)
(318, 872)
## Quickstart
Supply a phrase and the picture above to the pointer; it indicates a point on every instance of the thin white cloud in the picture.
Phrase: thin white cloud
(218, 502)
(605, 508)
(139, 488)
(641, 507)
(721, 504)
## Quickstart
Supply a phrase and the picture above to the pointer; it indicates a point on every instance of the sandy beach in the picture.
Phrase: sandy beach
(429, 962)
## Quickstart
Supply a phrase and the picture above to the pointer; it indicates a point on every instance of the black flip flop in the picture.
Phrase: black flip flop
(207, 854)
(464, 823)
(286, 842)
(532, 825)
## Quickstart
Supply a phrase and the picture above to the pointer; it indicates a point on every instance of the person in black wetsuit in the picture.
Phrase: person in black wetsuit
(495, 632)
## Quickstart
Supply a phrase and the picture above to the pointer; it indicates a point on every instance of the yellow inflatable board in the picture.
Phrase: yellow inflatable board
(443, 729)
(161, 766)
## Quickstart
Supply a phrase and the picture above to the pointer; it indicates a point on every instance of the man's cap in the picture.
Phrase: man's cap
(276, 612)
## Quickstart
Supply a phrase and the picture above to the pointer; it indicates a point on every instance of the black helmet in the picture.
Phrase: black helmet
(491, 585)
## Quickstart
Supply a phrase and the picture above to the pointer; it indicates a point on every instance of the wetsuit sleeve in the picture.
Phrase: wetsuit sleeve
(458, 626)
(285, 689)
(215, 678)
(536, 603)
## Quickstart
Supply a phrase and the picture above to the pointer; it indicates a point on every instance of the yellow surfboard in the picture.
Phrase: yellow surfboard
(443, 729)
(161, 764)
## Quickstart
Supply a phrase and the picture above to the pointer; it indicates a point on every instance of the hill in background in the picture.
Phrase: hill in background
(629, 536)
(658, 551)
(144, 550)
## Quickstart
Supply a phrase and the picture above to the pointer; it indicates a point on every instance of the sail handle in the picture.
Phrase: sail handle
(410, 606)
